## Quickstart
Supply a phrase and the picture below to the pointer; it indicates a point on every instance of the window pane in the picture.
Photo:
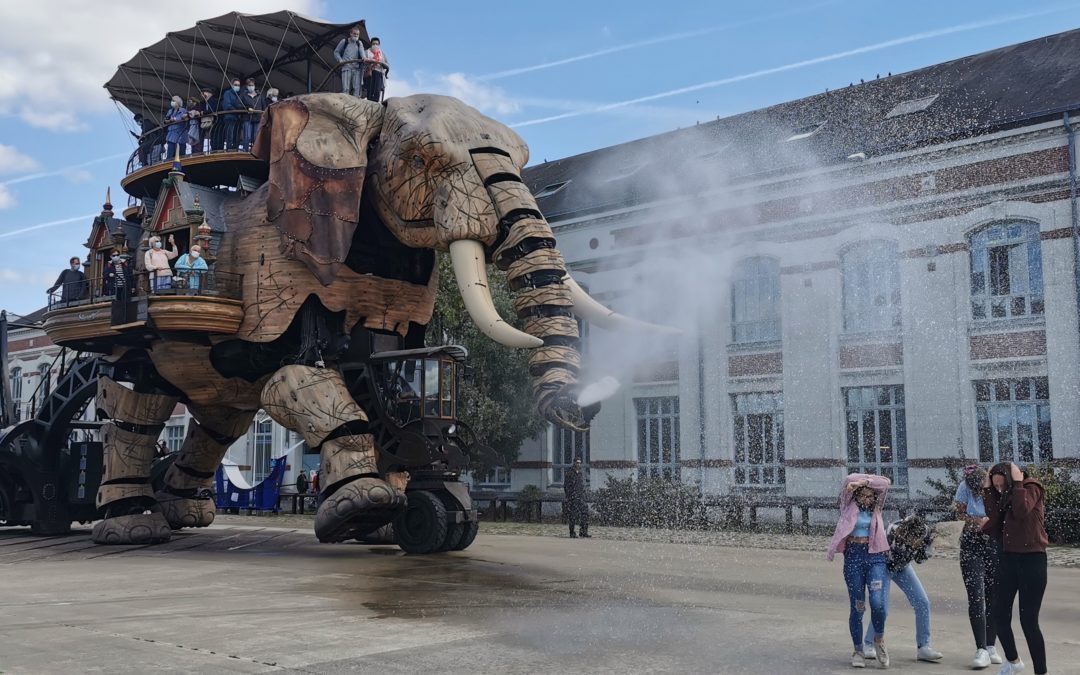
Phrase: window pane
(1046, 445)
(901, 437)
(1025, 433)
(740, 440)
(1004, 433)
(982, 391)
(853, 437)
(986, 438)
(1042, 389)
(885, 445)
(869, 442)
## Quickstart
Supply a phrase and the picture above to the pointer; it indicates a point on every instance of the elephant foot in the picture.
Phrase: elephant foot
(183, 512)
(357, 508)
(138, 528)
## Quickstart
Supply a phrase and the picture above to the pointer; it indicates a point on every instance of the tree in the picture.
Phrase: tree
(495, 392)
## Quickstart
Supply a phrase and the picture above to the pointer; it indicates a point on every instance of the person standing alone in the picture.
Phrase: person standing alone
(577, 507)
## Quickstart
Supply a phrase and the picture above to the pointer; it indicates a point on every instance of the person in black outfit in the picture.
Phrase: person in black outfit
(301, 482)
(71, 282)
(577, 509)
(1016, 513)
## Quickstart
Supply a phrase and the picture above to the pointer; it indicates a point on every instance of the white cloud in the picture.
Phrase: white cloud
(7, 200)
(52, 74)
(13, 161)
(78, 176)
(484, 97)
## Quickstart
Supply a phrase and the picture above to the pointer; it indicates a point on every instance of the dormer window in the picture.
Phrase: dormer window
(552, 189)
(911, 106)
(805, 132)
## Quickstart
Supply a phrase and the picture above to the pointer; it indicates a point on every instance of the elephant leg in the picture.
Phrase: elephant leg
(132, 515)
(186, 498)
(315, 403)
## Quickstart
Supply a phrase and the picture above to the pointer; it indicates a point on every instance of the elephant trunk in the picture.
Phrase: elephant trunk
(536, 273)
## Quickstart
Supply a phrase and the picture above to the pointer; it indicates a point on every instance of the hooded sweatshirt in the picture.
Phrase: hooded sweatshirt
(1017, 517)
(849, 514)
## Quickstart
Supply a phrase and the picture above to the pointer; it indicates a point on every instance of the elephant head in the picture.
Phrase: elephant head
(442, 176)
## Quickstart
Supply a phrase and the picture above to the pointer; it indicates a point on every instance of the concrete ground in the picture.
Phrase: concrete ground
(243, 599)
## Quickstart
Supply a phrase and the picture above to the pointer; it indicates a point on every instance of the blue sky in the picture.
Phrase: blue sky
(569, 76)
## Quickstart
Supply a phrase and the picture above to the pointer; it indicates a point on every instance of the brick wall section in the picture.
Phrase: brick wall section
(612, 464)
(707, 463)
(978, 174)
(38, 343)
(1006, 345)
(871, 356)
(756, 364)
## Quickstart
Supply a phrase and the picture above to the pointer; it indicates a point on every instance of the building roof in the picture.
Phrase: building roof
(1011, 86)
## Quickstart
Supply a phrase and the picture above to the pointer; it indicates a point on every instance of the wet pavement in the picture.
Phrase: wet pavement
(239, 599)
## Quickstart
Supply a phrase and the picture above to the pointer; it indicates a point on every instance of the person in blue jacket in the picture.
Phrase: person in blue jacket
(231, 125)
(192, 267)
(176, 137)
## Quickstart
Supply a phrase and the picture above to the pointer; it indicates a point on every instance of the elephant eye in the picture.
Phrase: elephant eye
(417, 161)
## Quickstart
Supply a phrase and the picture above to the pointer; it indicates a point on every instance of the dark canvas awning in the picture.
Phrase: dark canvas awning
(275, 49)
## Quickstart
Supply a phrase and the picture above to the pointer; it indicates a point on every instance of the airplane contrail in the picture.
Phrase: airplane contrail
(651, 41)
(61, 170)
(916, 37)
(42, 226)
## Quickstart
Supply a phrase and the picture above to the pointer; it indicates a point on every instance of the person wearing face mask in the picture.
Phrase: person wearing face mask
(350, 53)
(157, 264)
(71, 282)
(231, 122)
(1016, 521)
(377, 69)
(192, 267)
(117, 277)
(176, 137)
(253, 103)
(271, 96)
(860, 536)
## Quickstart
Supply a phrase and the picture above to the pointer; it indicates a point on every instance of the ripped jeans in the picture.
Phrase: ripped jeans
(865, 571)
(908, 582)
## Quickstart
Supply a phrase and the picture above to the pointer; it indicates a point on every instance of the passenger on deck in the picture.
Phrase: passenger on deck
(208, 140)
(156, 262)
(192, 267)
(253, 102)
(230, 100)
(118, 276)
(271, 96)
(350, 52)
(176, 135)
(71, 282)
(377, 68)
(194, 133)
(145, 135)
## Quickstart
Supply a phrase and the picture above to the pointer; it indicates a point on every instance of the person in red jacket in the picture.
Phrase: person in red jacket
(1016, 514)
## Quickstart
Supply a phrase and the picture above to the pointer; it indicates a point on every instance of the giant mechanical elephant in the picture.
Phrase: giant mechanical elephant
(340, 245)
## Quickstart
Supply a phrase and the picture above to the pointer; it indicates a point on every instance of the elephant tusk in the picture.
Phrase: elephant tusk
(470, 270)
(593, 312)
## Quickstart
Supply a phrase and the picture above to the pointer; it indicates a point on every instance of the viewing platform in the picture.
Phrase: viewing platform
(94, 317)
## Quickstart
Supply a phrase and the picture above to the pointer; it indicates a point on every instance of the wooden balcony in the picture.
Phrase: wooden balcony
(94, 318)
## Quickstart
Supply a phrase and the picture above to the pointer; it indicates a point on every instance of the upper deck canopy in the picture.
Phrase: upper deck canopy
(284, 50)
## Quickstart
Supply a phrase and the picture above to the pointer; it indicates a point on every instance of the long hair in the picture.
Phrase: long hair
(974, 476)
(865, 489)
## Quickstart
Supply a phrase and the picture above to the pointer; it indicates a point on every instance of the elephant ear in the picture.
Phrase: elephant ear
(317, 148)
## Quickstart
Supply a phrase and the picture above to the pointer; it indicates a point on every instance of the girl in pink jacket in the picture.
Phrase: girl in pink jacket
(860, 536)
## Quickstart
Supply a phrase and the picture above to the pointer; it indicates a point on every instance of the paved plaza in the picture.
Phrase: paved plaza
(246, 599)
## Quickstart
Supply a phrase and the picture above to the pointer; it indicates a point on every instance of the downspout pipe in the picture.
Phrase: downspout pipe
(1071, 134)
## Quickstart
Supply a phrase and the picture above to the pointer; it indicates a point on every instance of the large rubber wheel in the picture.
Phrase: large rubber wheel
(468, 535)
(454, 532)
(421, 527)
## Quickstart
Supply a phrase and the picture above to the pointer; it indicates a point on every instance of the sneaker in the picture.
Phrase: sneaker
(882, 655)
(857, 660)
(869, 652)
(981, 660)
(994, 656)
(928, 653)
(1010, 668)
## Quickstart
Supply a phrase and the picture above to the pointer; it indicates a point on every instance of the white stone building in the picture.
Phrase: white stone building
(877, 278)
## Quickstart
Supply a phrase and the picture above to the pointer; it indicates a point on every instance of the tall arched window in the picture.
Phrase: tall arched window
(45, 383)
(16, 385)
(1006, 271)
(871, 286)
(755, 301)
